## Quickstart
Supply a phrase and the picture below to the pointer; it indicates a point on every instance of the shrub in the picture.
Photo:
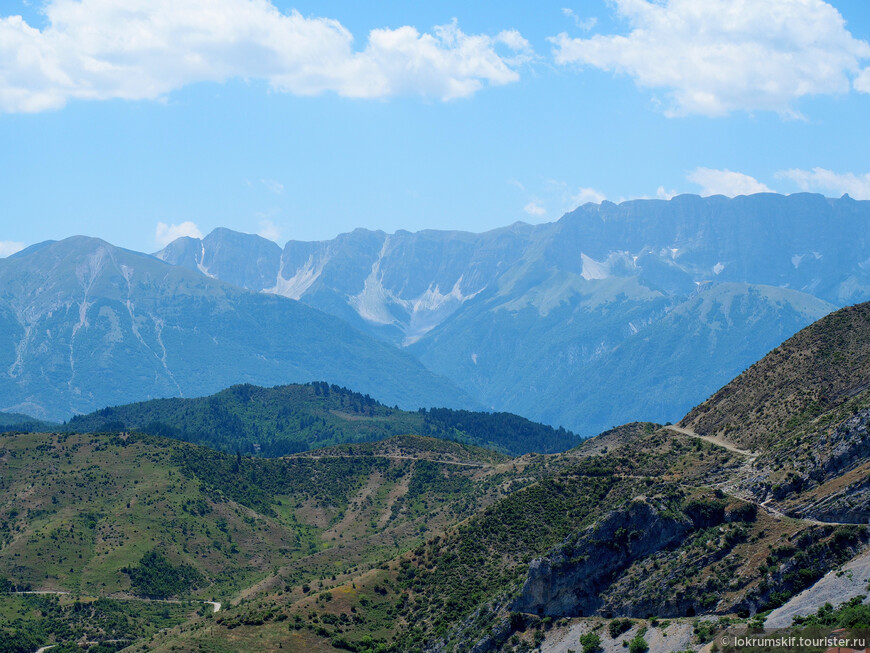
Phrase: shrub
(638, 645)
(618, 626)
(591, 643)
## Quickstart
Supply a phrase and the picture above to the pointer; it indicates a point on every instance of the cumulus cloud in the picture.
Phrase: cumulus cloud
(726, 182)
(269, 230)
(585, 24)
(585, 195)
(144, 49)
(569, 198)
(166, 233)
(862, 81)
(535, 209)
(718, 56)
(663, 194)
(9, 247)
(822, 180)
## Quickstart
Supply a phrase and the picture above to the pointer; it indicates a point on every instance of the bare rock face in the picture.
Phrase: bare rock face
(568, 581)
(835, 452)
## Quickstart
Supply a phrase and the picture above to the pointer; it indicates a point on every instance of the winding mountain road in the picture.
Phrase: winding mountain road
(713, 439)
(750, 456)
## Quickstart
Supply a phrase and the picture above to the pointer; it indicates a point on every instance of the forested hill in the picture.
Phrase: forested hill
(292, 418)
(24, 423)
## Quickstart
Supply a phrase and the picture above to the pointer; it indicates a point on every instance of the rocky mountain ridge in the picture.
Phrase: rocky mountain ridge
(609, 295)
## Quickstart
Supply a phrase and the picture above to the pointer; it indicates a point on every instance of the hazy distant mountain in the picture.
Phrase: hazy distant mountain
(577, 322)
(84, 324)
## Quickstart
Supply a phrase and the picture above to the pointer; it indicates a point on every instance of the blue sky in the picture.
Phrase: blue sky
(140, 120)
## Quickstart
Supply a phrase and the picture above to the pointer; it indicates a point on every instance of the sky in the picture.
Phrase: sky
(139, 121)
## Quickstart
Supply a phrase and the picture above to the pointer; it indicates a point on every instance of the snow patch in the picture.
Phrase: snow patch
(377, 304)
(474, 358)
(718, 268)
(431, 308)
(300, 282)
(200, 265)
(796, 261)
(593, 269)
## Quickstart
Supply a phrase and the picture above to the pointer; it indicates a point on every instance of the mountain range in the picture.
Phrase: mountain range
(612, 313)
(84, 324)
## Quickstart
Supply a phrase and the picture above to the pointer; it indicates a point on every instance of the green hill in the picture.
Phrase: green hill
(287, 419)
(24, 423)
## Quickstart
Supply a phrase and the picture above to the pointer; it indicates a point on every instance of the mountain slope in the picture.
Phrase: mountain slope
(813, 372)
(613, 352)
(135, 516)
(85, 324)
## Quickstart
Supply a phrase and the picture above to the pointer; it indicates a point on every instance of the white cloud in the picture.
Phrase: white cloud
(144, 49)
(663, 194)
(571, 199)
(585, 195)
(862, 81)
(269, 230)
(718, 56)
(585, 24)
(820, 179)
(726, 182)
(535, 209)
(9, 247)
(166, 233)
(274, 186)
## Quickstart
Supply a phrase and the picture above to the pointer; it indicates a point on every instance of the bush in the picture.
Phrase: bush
(591, 643)
(619, 626)
(638, 645)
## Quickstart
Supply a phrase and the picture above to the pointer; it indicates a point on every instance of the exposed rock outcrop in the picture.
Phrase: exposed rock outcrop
(569, 580)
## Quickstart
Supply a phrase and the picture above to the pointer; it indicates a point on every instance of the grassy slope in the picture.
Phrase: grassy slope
(78, 508)
(811, 373)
